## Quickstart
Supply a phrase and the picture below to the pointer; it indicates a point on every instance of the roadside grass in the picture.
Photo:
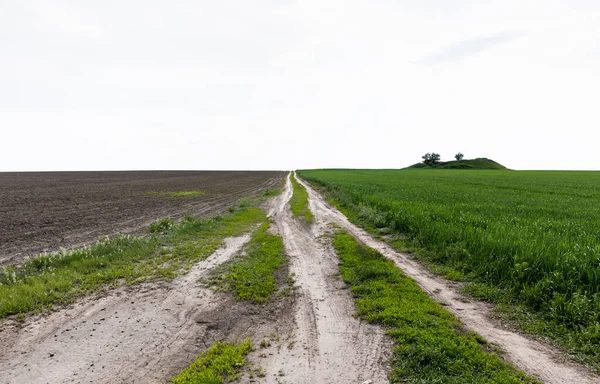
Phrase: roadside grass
(251, 276)
(179, 193)
(170, 249)
(299, 201)
(271, 192)
(219, 364)
(526, 240)
(431, 344)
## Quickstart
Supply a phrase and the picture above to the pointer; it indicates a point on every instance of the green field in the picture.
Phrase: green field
(530, 240)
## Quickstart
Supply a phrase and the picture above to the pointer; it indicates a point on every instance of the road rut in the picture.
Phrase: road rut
(330, 344)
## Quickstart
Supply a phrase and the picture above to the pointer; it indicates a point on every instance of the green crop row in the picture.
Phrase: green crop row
(528, 238)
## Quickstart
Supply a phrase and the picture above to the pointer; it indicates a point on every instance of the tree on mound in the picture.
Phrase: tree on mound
(431, 158)
(459, 156)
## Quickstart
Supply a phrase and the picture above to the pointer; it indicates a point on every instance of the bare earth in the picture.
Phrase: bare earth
(149, 333)
(45, 211)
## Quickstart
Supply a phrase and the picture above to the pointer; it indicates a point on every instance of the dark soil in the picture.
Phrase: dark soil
(46, 211)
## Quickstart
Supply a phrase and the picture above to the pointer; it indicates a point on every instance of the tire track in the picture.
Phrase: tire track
(331, 345)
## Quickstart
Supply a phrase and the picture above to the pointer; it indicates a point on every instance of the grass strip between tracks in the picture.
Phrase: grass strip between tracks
(218, 364)
(431, 344)
(252, 276)
(299, 201)
(171, 249)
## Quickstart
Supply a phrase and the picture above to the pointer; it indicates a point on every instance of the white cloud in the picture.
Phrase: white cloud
(294, 84)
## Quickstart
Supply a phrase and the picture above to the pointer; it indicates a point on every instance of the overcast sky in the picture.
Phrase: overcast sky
(268, 84)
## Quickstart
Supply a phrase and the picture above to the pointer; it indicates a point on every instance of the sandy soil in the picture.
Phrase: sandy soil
(141, 335)
(533, 357)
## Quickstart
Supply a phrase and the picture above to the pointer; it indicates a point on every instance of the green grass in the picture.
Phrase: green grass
(299, 201)
(171, 249)
(179, 193)
(431, 344)
(271, 192)
(252, 276)
(527, 240)
(479, 163)
(220, 363)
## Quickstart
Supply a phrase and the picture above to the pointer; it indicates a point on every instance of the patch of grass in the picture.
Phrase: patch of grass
(162, 225)
(479, 163)
(271, 192)
(431, 344)
(179, 193)
(252, 276)
(531, 235)
(61, 277)
(299, 201)
(220, 363)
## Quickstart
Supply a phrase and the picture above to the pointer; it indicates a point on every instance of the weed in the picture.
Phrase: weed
(219, 364)
(161, 226)
(274, 337)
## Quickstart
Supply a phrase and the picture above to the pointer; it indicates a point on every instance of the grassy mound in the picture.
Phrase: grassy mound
(479, 163)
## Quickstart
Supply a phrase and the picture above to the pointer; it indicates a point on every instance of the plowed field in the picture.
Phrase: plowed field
(44, 211)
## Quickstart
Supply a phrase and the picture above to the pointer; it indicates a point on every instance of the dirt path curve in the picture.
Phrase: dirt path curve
(331, 346)
(144, 336)
(533, 357)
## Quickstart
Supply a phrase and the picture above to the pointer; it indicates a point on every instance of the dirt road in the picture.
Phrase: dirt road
(331, 346)
(535, 358)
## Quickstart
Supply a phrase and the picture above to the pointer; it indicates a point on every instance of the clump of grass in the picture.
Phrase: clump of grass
(162, 225)
(299, 201)
(220, 363)
(271, 192)
(431, 344)
(179, 193)
(252, 276)
(61, 277)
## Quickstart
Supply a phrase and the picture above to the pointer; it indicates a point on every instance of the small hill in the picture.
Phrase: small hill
(479, 163)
